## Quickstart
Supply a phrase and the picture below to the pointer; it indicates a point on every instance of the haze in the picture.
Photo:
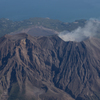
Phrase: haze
(64, 10)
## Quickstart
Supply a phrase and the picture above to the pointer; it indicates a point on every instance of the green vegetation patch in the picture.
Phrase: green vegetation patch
(7, 26)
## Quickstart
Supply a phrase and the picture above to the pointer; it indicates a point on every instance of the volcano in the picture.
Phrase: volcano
(48, 68)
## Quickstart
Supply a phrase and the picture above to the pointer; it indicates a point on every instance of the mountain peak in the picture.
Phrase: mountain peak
(46, 67)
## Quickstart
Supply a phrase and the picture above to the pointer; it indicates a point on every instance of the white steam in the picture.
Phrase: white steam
(89, 30)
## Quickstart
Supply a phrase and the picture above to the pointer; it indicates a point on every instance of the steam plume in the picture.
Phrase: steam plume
(89, 30)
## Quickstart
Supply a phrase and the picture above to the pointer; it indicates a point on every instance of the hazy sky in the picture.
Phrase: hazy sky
(64, 10)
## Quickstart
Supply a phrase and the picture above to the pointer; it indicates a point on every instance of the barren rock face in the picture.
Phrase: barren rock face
(47, 68)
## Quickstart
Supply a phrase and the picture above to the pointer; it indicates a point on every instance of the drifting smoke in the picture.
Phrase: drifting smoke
(89, 30)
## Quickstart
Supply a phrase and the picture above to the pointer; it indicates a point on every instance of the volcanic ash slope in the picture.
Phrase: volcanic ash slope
(48, 68)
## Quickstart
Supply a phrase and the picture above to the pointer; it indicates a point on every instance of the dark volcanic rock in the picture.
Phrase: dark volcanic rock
(47, 68)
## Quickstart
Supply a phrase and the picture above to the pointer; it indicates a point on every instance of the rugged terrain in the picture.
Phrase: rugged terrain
(48, 68)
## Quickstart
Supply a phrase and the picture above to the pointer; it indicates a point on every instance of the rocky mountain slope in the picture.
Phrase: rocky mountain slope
(47, 68)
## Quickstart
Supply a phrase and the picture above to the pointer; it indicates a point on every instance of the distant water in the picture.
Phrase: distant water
(64, 10)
